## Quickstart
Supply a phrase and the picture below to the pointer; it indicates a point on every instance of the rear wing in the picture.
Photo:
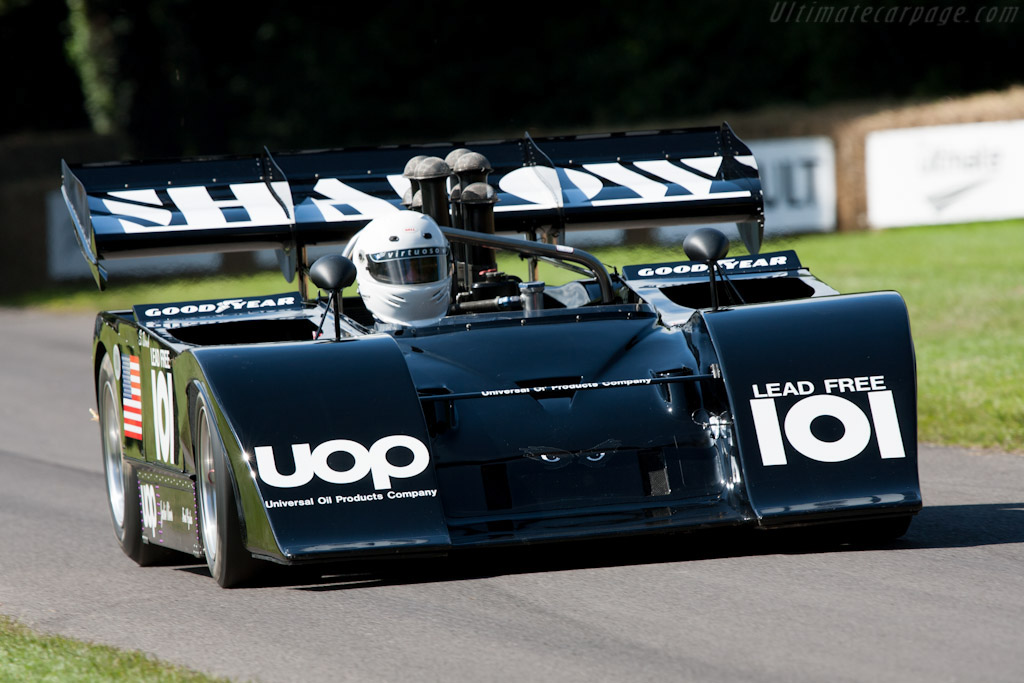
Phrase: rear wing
(288, 201)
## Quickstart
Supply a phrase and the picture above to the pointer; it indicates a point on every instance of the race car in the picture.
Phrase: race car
(307, 427)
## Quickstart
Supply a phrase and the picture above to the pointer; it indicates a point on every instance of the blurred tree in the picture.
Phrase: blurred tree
(91, 48)
(185, 77)
(42, 88)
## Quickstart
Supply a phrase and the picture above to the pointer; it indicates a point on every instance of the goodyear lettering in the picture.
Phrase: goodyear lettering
(219, 307)
(730, 264)
(681, 269)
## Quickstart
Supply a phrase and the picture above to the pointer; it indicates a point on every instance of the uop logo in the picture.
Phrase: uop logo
(147, 492)
(372, 461)
(798, 420)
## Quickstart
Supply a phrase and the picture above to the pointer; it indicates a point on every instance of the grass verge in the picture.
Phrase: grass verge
(29, 656)
(964, 287)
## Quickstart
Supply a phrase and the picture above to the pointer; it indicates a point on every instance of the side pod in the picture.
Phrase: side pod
(328, 446)
(824, 400)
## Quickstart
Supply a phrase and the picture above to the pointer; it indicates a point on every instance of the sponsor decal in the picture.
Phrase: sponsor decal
(217, 307)
(168, 508)
(762, 263)
(655, 181)
(191, 208)
(315, 462)
(358, 498)
(825, 399)
(159, 358)
(555, 388)
(166, 512)
(131, 396)
(944, 174)
(187, 517)
(407, 253)
(150, 510)
(259, 204)
(798, 178)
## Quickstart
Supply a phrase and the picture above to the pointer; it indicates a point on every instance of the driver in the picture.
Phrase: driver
(403, 267)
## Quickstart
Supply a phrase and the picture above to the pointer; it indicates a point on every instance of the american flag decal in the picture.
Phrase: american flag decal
(131, 396)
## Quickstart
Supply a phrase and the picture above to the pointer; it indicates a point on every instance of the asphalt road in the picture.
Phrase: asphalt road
(946, 603)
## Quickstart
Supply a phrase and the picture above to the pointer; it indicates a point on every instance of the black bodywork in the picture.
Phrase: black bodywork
(624, 404)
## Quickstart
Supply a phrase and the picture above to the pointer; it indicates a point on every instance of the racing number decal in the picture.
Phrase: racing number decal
(161, 388)
(163, 415)
(794, 426)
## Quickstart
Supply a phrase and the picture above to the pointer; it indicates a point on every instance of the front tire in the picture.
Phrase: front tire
(229, 562)
(123, 497)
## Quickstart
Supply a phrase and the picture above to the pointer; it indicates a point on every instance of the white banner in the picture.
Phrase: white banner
(798, 176)
(945, 174)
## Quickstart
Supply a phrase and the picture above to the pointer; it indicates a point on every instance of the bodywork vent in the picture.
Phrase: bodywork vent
(753, 291)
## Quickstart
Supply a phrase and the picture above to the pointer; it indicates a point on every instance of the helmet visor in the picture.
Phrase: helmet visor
(409, 266)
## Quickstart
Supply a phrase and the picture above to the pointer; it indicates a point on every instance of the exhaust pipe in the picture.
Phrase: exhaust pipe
(472, 167)
(455, 188)
(432, 174)
(478, 200)
(414, 185)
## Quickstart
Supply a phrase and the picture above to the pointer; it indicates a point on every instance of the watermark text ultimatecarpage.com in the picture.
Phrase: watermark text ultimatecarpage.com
(817, 13)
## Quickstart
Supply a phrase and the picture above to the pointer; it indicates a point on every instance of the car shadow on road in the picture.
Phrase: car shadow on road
(966, 526)
(949, 526)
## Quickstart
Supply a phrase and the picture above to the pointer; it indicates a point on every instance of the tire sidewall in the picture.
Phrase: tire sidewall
(106, 379)
(129, 533)
(232, 564)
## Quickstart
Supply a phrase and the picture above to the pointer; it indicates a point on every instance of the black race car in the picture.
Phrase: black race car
(713, 392)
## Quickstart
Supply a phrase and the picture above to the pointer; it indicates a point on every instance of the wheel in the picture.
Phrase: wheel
(229, 562)
(122, 483)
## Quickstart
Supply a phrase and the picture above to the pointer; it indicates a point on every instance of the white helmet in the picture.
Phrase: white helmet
(404, 268)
